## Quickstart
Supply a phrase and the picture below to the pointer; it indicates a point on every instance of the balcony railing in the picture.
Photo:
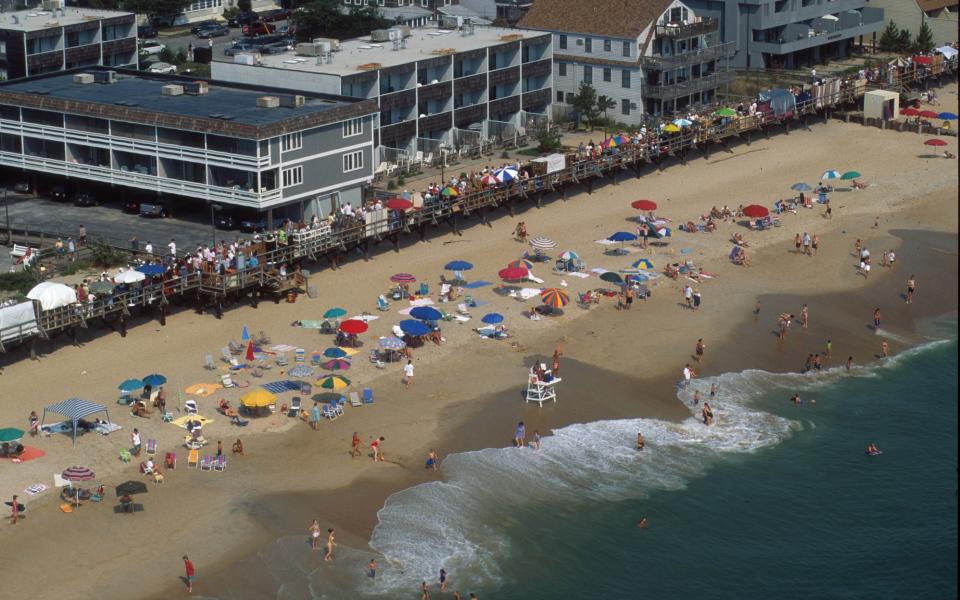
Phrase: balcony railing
(662, 63)
(685, 30)
(690, 86)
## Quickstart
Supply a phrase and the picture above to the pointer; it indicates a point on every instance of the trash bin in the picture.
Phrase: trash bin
(311, 291)
(291, 296)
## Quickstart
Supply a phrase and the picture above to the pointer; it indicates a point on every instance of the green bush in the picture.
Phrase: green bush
(401, 180)
(18, 282)
(391, 185)
(105, 257)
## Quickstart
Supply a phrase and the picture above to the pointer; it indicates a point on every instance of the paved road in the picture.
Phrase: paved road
(220, 44)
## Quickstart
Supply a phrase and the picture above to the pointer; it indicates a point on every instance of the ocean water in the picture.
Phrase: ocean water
(773, 501)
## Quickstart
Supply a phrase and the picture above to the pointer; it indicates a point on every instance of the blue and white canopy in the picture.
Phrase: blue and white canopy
(75, 409)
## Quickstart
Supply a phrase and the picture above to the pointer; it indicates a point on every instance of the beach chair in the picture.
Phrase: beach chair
(294, 407)
(305, 389)
(299, 356)
(368, 395)
(355, 399)
(220, 463)
(191, 407)
(208, 362)
(382, 303)
(193, 458)
(206, 463)
(256, 372)
(282, 359)
(316, 358)
(262, 339)
(226, 380)
(235, 348)
(329, 412)
(151, 447)
(125, 455)
(235, 420)
(225, 355)
(337, 405)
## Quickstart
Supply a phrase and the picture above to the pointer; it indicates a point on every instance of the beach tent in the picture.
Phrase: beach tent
(17, 321)
(75, 409)
(947, 51)
(782, 102)
(53, 295)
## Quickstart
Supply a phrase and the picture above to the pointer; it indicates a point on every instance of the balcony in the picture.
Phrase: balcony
(534, 101)
(663, 63)
(686, 30)
(871, 22)
(690, 86)
(434, 122)
(539, 67)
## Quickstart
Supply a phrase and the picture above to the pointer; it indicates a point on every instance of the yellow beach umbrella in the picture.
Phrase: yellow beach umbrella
(671, 128)
(258, 398)
(333, 382)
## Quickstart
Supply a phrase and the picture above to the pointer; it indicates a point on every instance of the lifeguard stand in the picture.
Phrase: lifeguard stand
(539, 390)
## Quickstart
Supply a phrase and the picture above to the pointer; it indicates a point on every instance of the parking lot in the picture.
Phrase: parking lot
(220, 44)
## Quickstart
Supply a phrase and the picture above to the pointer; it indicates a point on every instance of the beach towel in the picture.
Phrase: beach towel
(421, 302)
(107, 428)
(308, 324)
(279, 387)
(598, 271)
(182, 421)
(203, 389)
(579, 274)
(527, 293)
(476, 284)
(59, 481)
(35, 489)
(283, 348)
(364, 318)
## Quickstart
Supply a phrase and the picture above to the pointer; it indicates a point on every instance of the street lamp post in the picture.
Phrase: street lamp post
(6, 210)
(214, 208)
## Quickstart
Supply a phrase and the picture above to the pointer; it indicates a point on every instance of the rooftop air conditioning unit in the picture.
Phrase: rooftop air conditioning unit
(83, 78)
(403, 29)
(292, 101)
(334, 43)
(196, 88)
(380, 35)
(268, 102)
(171, 90)
(105, 76)
(245, 59)
(308, 49)
(52, 5)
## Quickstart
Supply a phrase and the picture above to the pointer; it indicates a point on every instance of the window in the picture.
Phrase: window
(203, 5)
(292, 176)
(625, 78)
(562, 69)
(291, 141)
(588, 45)
(353, 161)
(588, 74)
(563, 41)
(570, 97)
(626, 49)
(606, 45)
(559, 96)
(625, 106)
(607, 73)
(353, 127)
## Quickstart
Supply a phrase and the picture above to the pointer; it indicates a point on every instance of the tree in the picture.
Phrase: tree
(890, 37)
(924, 41)
(904, 42)
(605, 103)
(324, 18)
(585, 103)
(244, 5)
(548, 138)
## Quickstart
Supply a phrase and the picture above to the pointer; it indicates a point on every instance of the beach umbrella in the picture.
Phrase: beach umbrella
(850, 175)
(800, 187)
(682, 122)
(426, 313)
(929, 114)
(725, 112)
(947, 116)
(131, 488)
(935, 142)
(492, 318)
(611, 277)
(506, 174)
(622, 236)
(670, 128)
(354, 326)
(923, 60)
(300, 371)
(569, 255)
(449, 191)
(490, 180)
(151, 269)
(402, 278)
(643, 263)
(333, 382)
(258, 398)
(335, 313)
(554, 298)
(129, 277)
(101, 287)
(250, 354)
(392, 343)
(154, 380)
(75, 474)
(513, 273)
(10, 434)
(756, 211)
(336, 364)
(334, 352)
(542, 243)
(520, 262)
(458, 265)
(414, 327)
(909, 112)
(398, 204)
(644, 204)
(130, 385)
(245, 334)
(830, 175)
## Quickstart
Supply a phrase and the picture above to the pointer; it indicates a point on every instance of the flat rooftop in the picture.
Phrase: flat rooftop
(35, 20)
(424, 43)
(138, 93)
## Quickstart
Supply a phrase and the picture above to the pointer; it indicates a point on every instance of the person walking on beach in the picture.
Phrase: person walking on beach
(443, 580)
(815, 244)
(431, 460)
(783, 324)
(555, 363)
(372, 569)
(707, 414)
(191, 573)
(355, 445)
(876, 320)
(696, 397)
(804, 316)
(408, 373)
(15, 511)
(858, 248)
(375, 446)
(884, 348)
(829, 352)
(806, 243)
(314, 530)
(696, 300)
(700, 349)
(135, 441)
(911, 288)
(797, 243)
(829, 212)
(519, 436)
(688, 374)
(535, 444)
(688, 295)
(328, 555)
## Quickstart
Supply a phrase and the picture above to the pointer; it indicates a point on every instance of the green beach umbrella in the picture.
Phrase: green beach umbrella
(334, 313)
(850, 175)
(10, 434)
(333, 382)
(130, 385)
(725, 112)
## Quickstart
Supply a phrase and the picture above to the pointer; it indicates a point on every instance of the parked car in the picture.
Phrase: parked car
(244, 18)
(203, 25)
(272, 16)
(58, 192)
(239, 48)
(154, 210)
(146, 32)
(253, 224)
(22, 187)
(162, 68)
(151, 47)
(131, 207)
(84, 199)
(227, 220)
(213, 31)
(258, 28)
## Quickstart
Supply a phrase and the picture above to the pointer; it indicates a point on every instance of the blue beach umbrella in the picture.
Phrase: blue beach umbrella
(622, 236)
(426, 313)
(831, 175)
(683, 122)
(611, 277)
(947, 116)
(458, 265)
(414, 327)
(643, 263)
(800, 187)
(151, 269)
(334, 353)
(154, 380)
(130, 385)
(492, 318)
(392, 343)
(334, 313)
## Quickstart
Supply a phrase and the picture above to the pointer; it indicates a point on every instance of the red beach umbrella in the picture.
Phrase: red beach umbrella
(909, 112)
(934, 142)
(923, 60)
(402, 278)
(513, 273)
(756, 211)
(250, 350)
(354, 326)
(929, 114)
(644, 204)
(398, 204)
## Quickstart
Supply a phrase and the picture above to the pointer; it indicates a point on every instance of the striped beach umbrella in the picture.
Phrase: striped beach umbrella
(490, 179)
(78, 474)
(643, 263)
(830, 175)
(506, 174)
(333, 382)
(336, 364)
(449, 191)
(569, 255)
(542, 243)
(392, 343)
(402, 278)
(554, 298)
(520, 262)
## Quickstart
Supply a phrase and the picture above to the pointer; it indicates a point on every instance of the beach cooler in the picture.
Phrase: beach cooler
(299, 355)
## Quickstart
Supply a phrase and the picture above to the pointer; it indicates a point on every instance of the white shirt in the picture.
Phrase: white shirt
(408, 370)
(173, 248)
(687, 292)
(686, 374)
(148, 248)
(136, 439)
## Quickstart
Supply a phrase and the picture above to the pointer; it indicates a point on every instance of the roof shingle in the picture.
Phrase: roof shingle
(610, 18)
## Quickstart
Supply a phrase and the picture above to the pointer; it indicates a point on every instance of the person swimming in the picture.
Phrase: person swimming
(872, 449)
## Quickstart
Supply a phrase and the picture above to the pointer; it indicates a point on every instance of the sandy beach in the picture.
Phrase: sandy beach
(468, 391)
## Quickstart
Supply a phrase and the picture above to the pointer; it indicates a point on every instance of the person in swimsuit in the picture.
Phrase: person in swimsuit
(849, 362)
(355, 448)
(797, 242)
(701, 347)
(641, 442)
(519, 435)
(642, 523)
(884, 348)
(713, 391)
(876, 319)
(375, 446)
(443, 580)
(804, 316)
(314, 530)
(872, 449)
(424, 592)
(796, 399)
(829, 352)
(328, 555)
(911, 288)
(815, 243)
(536, 440)
(372, 568)
(707, 414)
(432, 460)
(696, 397)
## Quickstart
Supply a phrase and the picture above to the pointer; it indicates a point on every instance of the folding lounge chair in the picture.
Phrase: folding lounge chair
(382, 303)
(329, 412)
(235, 420)
(208, 362)
(299, 355)
(282, 359)
(225, 354)
(367, 395)
(227, 381)
(220, 463)
(206, 464)
(234, 348)
(355, 399)
(193, 459)
(151, 447)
